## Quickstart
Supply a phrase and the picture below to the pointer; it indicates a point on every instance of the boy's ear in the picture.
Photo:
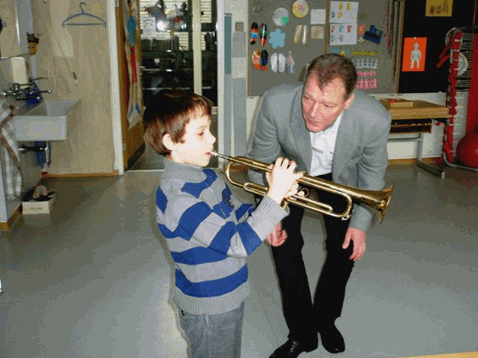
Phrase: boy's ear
(168, 142)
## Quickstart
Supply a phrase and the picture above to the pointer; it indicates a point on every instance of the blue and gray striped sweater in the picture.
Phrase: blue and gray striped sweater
(209, 233)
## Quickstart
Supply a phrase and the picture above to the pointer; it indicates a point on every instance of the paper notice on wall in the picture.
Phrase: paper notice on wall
(343, 34)
(316, 32)
(62, 42)
(439, 8)
(343, 12)
(148, 26)
(317, 17)
(18, 69)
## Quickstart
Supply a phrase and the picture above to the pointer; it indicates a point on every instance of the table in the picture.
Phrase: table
(414, 119)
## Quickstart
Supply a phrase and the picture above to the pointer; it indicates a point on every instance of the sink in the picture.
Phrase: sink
(47, 121)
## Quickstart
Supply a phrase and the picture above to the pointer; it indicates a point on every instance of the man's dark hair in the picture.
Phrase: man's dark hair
(328, 67)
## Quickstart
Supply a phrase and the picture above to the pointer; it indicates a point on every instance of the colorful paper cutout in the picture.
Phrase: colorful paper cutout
(264, 60)
(280, 17)
(297, 33)
(277, 39)
(274, 62)
(414, 54)
(263, 34)
(290, 63)
(300, 8)
(254, 33)
(360, 29)
(256, 59)
(282, 61)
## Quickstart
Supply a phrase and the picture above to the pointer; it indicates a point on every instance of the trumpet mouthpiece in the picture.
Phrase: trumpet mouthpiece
(216, 154)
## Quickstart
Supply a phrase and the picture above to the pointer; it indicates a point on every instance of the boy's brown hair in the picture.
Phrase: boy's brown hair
(168, 113)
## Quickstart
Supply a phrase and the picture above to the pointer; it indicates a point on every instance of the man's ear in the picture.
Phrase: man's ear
(168, 142)
(349, 101)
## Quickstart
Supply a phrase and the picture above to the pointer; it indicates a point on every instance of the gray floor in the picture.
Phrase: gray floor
(92, 279)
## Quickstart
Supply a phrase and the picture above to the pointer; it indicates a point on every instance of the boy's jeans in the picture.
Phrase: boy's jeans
(214, 336)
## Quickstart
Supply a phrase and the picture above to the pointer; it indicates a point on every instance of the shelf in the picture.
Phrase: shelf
(178, 88)
(173, 53)
(156, 70)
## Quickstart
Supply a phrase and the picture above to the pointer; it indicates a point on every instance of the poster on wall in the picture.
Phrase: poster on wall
(439, 8)
(343, 34)
(149, 27)
(343, 23)
(343, 12)
(132, 43)
(414, 54)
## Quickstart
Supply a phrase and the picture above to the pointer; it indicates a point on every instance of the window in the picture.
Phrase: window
(172, 9)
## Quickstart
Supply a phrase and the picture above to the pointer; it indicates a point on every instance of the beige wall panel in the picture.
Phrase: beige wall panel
(9, 37)
(83, 51)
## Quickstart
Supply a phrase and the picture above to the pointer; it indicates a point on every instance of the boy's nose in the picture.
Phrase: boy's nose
(212, 139)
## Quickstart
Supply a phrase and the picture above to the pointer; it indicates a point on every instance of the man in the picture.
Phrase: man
(340, 135)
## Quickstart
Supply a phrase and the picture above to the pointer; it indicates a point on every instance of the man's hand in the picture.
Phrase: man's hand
(358, 238)
(277, 236)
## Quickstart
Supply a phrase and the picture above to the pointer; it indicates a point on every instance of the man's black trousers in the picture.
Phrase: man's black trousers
(304, 316)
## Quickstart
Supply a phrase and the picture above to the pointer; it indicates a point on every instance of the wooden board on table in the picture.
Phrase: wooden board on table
(420, 109)
(396, 103)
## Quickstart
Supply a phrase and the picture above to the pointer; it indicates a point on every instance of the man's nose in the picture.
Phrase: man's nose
(314, 110)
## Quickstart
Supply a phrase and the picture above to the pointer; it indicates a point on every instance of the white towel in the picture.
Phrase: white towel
(10, 153)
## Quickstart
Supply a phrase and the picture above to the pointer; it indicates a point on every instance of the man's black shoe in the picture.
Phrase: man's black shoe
(332, 339)
(291, 349)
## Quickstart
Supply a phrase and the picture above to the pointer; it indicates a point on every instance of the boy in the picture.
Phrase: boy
(208, 231)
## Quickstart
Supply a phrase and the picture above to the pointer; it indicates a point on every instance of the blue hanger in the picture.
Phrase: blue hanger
(83, 13)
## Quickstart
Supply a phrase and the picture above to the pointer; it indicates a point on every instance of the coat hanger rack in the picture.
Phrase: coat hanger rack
(101, 22)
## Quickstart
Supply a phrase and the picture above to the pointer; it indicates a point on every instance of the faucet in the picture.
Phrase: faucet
(15, 91)
(25, 91)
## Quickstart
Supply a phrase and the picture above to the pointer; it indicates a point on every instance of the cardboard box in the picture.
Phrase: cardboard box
(38, 207)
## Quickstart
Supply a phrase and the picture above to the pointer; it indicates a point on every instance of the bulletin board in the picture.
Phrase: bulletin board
(269, 13)
(366, 31)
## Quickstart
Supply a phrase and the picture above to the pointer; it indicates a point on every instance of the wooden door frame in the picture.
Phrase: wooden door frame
(115, 82)
(115, 87)
(132, 142)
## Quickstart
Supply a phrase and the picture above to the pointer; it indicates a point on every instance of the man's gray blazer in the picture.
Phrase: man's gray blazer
(360, 158)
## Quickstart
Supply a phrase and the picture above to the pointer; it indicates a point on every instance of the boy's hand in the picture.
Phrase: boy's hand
(282, 180)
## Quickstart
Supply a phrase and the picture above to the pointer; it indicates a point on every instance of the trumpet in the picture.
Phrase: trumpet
(377, 200)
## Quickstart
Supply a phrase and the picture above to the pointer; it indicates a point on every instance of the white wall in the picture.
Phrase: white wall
(239, 11)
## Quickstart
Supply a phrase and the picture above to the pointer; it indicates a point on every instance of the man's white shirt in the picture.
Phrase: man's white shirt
(323, 146)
